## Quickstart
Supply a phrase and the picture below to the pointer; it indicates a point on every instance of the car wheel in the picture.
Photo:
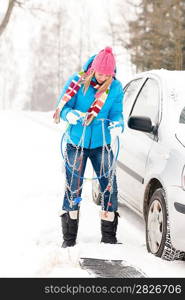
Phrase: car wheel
(96, 194)
(158, 239)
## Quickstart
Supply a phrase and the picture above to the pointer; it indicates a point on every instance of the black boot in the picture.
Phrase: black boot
(69, 229)
(108, 230)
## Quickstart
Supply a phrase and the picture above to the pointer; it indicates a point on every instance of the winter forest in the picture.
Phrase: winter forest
(42, 42)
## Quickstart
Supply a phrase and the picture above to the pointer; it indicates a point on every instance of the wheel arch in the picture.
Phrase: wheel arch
(151, 187)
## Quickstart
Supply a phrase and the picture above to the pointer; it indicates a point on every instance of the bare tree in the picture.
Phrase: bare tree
(8, 13)
(117, 21)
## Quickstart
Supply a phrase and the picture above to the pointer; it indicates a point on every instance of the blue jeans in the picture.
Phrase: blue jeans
(74, 178)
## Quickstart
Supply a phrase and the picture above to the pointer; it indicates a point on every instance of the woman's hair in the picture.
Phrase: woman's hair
(102, 88)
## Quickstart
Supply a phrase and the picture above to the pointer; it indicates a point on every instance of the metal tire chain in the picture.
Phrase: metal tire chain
(68, 187)
(169, 252)
(110, 174)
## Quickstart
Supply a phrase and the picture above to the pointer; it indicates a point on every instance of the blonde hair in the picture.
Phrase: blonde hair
(102, 87)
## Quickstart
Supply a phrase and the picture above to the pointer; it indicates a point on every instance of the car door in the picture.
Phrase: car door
(136, 145)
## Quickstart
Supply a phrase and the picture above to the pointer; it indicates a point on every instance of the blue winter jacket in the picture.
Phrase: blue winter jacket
(112, 110)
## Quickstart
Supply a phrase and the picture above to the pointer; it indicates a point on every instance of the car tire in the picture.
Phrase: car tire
(96, 194)
(158, 239)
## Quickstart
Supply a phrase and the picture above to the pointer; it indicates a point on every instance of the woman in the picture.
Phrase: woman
(87, 98)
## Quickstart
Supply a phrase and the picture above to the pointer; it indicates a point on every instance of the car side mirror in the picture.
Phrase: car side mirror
(141, 124)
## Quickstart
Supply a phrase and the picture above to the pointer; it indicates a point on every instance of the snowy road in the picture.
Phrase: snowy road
(30, 197)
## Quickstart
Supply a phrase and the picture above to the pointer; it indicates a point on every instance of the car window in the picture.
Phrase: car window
(131, 91)
(182, 116)
(131, 88)
(147, 102)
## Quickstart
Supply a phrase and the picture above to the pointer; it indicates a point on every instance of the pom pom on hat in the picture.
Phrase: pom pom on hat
(108, 49)
(104, 62)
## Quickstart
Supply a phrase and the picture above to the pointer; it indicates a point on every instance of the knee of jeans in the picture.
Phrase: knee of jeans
(67, 207)
(112, 207)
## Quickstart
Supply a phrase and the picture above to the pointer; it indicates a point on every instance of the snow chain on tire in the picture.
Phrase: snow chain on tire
(169, 252)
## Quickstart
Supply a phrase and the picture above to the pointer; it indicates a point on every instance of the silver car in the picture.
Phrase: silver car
(151, 162)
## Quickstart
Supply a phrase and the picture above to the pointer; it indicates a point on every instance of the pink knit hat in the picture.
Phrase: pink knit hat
(104, 62)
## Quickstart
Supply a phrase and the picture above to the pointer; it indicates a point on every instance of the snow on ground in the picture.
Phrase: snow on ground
(31, 196)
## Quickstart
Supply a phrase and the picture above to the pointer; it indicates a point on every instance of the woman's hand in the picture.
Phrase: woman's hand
(116, 128)
(73, 116)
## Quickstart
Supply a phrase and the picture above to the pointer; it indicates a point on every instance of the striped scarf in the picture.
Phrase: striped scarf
(72, 91)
